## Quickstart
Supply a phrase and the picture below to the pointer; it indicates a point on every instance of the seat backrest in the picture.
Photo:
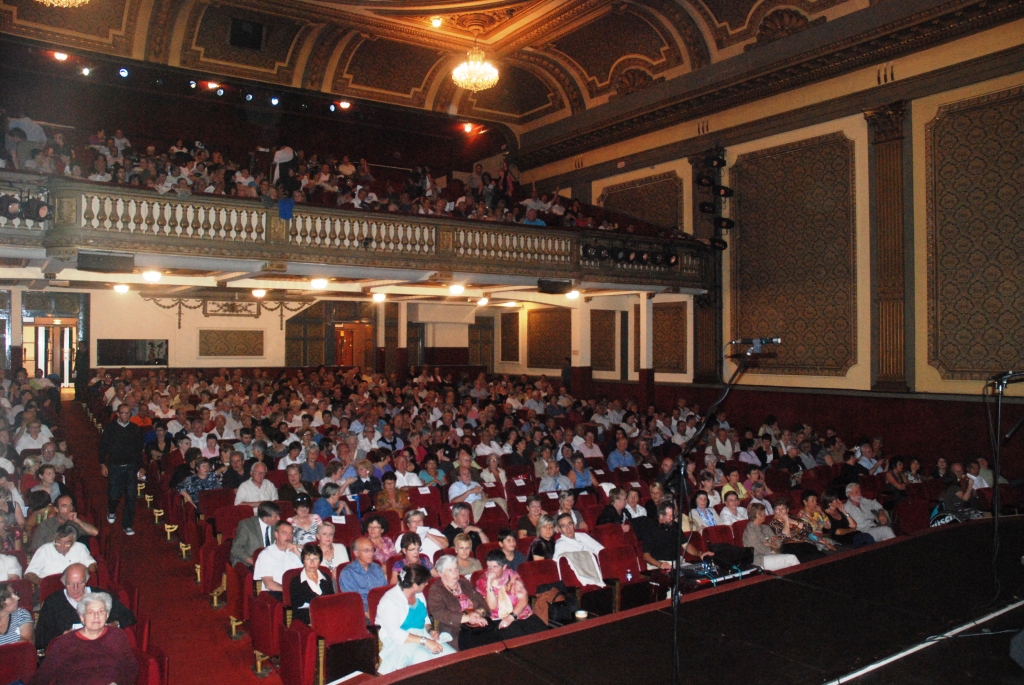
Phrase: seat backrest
(338, 617)
(608, 534)
(17, 661)
(149, 669)
(298, 654)
(160, 656)
(373, 600)
(211, 501)
(49, 585)
(226, 519)
(286, 585)
(617, 562)
(718, 535)
(523, 544)
(394, 520)
(389, 565)
(264, 625)
(738, 528)
(277, 477)
(484, 549)
(25, 591)
(537, 573)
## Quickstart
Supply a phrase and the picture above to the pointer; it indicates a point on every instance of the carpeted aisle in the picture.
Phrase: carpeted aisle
(184, 625)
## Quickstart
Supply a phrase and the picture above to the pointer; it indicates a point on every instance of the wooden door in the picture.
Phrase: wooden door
(481, 343)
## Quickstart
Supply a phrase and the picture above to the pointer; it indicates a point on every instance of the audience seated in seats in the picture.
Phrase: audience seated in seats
(615, 510)
(375, 528)
(461, 524)
(295, 485)
(59, 612)
(432, 540)
(844, 528)
(203, 478)
(277, 558)
(255, 533)
(621, 456)
(304, 522)
(54, 557)
(391, 497)
(732, 511)
(15, 621)
(566, 504)
(797, 537)
(543, 546)
(410, 544)
(310, 583)
(465, 491)
(332, 554)
(580, 550)
(257, 489)
(407, 636)
(868, 514)
(363, 574)
(65, 514)
(767, 545)
(95, 654)
(507, 599)
(467, 563)
(527, 525)
(365, 480)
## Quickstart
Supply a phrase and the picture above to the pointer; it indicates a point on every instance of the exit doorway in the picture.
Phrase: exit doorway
(354, 345)
(49, 345)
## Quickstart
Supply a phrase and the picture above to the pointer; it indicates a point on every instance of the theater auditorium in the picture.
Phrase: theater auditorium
(511, 342)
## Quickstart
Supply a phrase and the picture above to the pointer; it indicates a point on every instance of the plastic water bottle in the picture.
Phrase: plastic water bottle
(629, 575)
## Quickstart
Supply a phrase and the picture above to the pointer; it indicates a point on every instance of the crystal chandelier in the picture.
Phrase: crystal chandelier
(475, 73)
(65, 4)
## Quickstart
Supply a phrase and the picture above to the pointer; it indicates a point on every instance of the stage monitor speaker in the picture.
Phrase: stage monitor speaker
(106, 262)
(554, 286)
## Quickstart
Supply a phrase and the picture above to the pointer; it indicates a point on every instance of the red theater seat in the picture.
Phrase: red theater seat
(265, 628)
(17, 662)
(348, 646)
(298, 655)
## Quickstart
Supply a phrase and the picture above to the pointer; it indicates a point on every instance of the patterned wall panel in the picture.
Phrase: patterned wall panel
(793, 254)
(975, 203)
(221, 343)
(108, 26)
(602, 339)
(510, 337)
(656, 199)
(390, 65)
(548, 337)
(670, 341)
(524, 93)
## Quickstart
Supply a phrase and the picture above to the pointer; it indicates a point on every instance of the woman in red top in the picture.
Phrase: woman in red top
(95, 654)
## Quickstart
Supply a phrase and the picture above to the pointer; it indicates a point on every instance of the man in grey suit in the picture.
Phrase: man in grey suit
(255, 533)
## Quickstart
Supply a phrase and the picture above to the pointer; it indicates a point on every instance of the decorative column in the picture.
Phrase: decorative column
(707, 310)
(381, 336)
(402, 353)
(582, 373)
(888, 284)
(17, 341)
(645, 351)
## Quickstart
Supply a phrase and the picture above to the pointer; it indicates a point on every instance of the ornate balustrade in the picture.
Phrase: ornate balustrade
(103, 217)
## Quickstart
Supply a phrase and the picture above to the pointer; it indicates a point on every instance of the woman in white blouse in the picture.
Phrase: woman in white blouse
(732, 512)
(493, 473)
(633, 506)
(406, 633)
(702, 515)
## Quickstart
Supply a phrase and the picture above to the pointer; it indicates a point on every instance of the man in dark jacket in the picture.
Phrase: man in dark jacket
(120, 456)
(59, 612)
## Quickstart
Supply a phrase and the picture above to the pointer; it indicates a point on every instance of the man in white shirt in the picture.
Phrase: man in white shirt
(54, 557)
(33, 438)
(868, 514)
(573, 543)
(274, 560)
(433, 540)
(10, 568)
(257, 489)
(197, 435)
(404, 478)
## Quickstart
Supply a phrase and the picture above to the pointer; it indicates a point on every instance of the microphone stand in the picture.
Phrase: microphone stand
(682, 495)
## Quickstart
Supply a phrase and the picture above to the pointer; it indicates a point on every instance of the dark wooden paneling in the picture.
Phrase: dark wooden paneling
(602, 339)
(671, 347)
(510, 337)
(451, 356)
(548, 338)
(793, 254)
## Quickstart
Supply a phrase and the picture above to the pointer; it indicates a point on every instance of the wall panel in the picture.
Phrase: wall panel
(548, 337)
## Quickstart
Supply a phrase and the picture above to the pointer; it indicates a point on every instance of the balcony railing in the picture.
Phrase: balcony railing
(100, 216)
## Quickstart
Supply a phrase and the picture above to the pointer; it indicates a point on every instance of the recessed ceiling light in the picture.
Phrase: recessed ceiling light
(573, 294)
(212, 85)
(344, 104)
(123, 72)
(482, 302)
(510, 303)
(274, 101)
(379, 297)
(468, 128)
(60, 56)
(120, 288)
(436, 22)
(258, 293)
(456, 289)
(318, 283)
(152, 276)
(86, 71)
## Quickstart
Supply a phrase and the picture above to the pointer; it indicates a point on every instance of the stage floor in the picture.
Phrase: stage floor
(808, 626)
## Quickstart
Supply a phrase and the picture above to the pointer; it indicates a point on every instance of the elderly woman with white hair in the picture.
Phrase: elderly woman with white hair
(458, 608)
(95, 654)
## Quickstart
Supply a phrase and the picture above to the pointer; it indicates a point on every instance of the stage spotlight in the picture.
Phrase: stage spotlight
(10, 206)
(86, 71)
(248, 97)
(621, 255)
(590, 252)
(718, 244)
(274, 101)
(123, 72)
(658, 259)
(220, 92)
(671, 259)
(212, 85)
(706, 207)
(192, 84)
(643, 256)
(344, 104)
(721, 191)
(722, 222)
(715, 162)
(60, 56)
(36, 210)
(705, 181)
(604, 253)
(332, 108)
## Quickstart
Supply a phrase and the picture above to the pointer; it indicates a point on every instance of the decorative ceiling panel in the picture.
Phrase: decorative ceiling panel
(107, 26)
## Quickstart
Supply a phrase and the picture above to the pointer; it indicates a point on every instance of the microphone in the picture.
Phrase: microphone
(1007, 377)
(758, 341)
